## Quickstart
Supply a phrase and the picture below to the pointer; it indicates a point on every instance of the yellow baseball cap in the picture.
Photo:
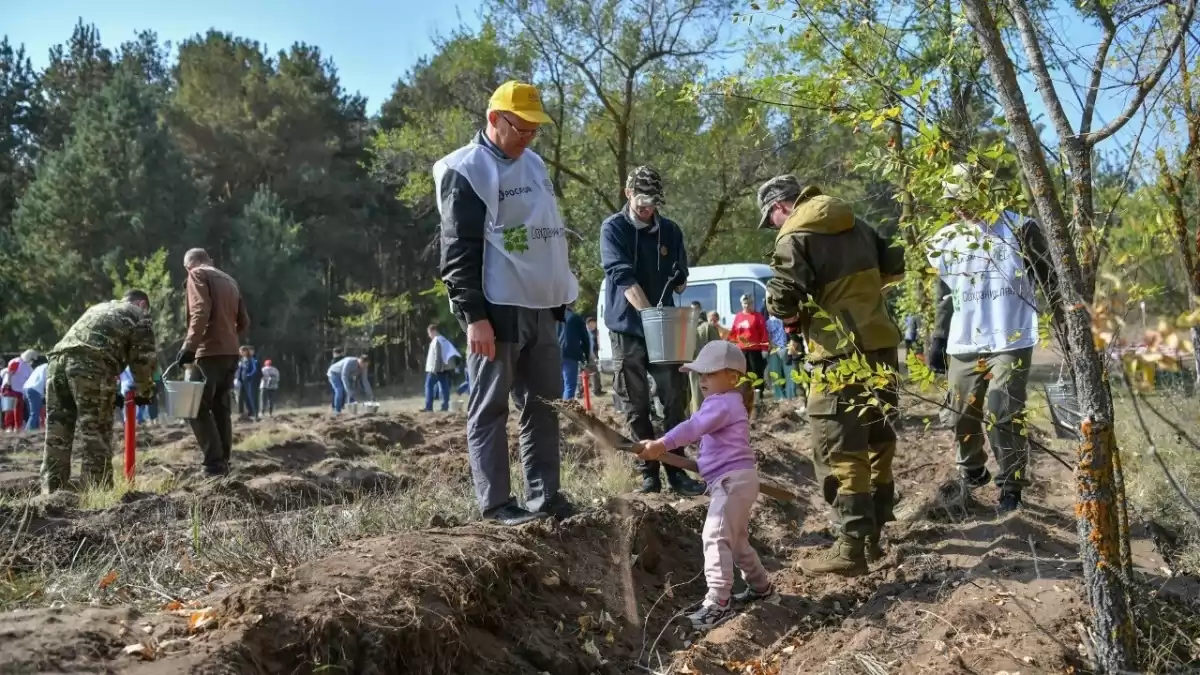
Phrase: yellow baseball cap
(521, 100)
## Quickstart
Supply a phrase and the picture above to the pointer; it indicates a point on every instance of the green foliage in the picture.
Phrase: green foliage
(118, 188)
(152, 274)
(368, 327)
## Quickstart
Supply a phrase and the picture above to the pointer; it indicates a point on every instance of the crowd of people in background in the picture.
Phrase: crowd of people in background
(22, 391)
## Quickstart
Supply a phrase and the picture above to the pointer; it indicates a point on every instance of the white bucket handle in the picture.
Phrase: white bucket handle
(175, 365)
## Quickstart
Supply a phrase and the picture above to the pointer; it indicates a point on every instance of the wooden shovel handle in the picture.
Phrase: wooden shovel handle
(690, 465)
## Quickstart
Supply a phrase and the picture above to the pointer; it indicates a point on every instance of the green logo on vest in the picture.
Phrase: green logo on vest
(516, 239)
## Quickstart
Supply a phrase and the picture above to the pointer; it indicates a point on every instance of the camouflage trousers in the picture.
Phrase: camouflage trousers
(80, 394)
(853, 445)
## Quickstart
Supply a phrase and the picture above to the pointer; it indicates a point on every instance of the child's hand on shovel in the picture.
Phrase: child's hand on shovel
(650, 450)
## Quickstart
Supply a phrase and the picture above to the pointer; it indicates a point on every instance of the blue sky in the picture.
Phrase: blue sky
(373, 42)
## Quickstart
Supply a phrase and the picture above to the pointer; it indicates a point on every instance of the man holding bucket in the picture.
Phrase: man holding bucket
(644, 260)
(216, 316)
(81, 383)
(505, 265)
(824, 255)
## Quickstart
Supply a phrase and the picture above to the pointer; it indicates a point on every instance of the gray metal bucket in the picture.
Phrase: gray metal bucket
(183, 397)
(670, 333)
(1065, 414)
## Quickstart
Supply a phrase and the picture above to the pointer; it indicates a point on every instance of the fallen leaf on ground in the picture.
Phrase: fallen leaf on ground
(172, 606)
(202, 620)
(108, 579)
(141, 651)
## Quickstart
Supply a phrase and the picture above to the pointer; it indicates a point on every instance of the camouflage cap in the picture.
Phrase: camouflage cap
(777, 189)
(646, 183)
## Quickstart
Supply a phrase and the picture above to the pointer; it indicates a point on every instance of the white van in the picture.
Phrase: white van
(715, 287)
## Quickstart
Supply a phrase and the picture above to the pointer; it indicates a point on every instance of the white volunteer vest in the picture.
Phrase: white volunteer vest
(525, 261)
(995, 307)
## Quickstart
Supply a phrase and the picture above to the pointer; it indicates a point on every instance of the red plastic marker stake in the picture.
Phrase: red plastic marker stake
(587, 392)
(130, 435)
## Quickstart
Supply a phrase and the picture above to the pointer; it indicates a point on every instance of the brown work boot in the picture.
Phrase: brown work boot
(845, 557)
(872, 549)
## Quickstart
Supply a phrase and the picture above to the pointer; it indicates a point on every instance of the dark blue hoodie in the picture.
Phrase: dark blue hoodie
(573, 338)
(643, 257)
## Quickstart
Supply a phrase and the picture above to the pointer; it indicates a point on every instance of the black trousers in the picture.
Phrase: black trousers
(632, 385)
(213, 425)
(756, 363)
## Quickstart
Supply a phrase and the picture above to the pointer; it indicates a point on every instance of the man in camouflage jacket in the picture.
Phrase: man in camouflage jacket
(81, 385)
(829, 272)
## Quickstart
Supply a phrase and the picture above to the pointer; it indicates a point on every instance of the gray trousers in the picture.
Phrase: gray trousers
(528, 370)
(987, 395)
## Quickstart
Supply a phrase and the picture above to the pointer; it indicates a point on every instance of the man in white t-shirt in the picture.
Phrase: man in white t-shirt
(506, 269)
(986, 329)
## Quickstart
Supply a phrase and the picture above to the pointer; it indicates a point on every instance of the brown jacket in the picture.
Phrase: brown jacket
(830, 269)
(216, 313)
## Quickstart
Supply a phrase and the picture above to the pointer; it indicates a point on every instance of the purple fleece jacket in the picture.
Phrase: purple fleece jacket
(723, 429)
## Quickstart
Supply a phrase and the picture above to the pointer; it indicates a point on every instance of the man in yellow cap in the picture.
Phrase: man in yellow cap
(505, 265)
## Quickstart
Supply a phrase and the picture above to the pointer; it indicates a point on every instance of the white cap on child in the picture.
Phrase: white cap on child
(717, 356)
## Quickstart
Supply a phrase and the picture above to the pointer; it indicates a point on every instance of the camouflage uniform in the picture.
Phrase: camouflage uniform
(824, 253)
(81, 387)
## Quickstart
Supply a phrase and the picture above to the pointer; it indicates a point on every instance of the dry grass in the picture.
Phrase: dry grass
(267, 438)
(100, 497)
(1147, 488)
(158, 556)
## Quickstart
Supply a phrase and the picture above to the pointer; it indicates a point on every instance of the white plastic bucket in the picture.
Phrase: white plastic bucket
(183, 396)
(670, 333)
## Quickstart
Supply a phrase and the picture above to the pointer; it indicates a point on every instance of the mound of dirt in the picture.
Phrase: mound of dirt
(567, 598)
(961, 589)
(347, 476)
(376, 431)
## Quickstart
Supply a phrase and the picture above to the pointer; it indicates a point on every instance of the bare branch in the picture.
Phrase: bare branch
(1041, 73)
(1106, 39)
(582, 180)
(1144, 88)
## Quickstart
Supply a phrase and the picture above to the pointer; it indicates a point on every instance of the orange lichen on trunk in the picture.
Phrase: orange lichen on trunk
(1098, 501)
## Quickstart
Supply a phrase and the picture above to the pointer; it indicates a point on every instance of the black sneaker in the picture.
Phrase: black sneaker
(1010, 500)
(650, 485)
(510, 514)
(686, 487)
(216, 470)
(709, 616)
(752, 594)
(557, 507)
(977, 478)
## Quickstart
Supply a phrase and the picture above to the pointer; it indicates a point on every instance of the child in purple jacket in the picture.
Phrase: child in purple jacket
(726, 462)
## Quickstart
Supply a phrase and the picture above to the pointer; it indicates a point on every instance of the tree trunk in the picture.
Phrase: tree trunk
(1079, 158)
(1098, 496)
(1196, 354)
(908, 228)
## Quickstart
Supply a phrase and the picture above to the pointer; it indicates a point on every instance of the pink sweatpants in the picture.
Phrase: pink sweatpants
(727, 535)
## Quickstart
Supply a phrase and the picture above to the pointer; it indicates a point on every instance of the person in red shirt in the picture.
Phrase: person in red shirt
(749, 333)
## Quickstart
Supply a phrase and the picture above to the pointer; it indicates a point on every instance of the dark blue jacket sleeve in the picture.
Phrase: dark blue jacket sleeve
(616, 255)
(463, 221)
(581, 337)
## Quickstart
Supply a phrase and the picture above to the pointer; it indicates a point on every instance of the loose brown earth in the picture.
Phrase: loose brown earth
(961, 591)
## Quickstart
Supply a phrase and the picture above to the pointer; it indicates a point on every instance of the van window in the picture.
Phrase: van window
(705, 294)
(754, 289)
